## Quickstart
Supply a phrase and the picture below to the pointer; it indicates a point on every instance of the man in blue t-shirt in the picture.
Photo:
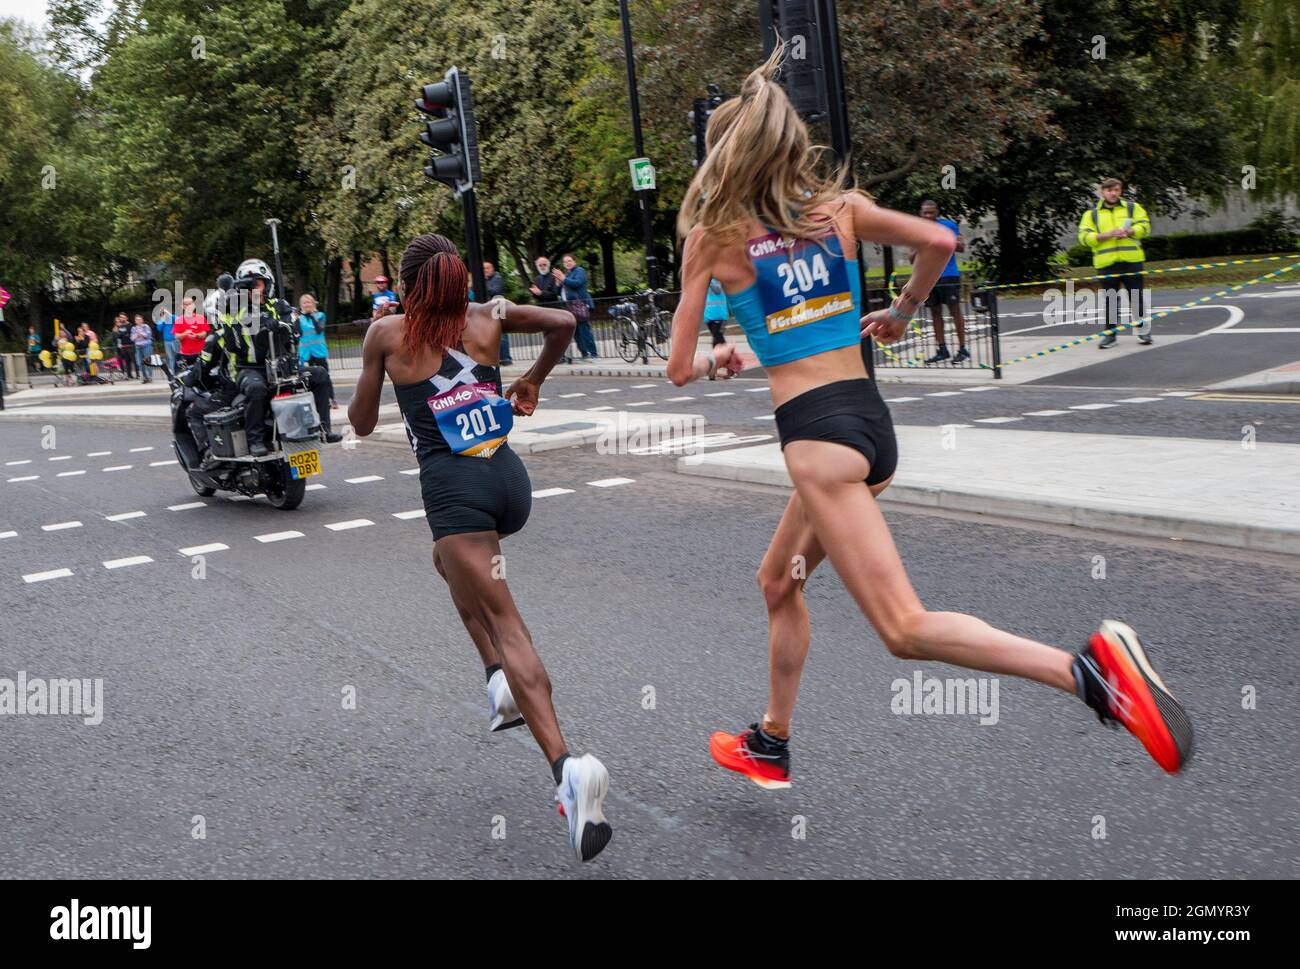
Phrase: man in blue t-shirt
(383, 301)
(946, 292)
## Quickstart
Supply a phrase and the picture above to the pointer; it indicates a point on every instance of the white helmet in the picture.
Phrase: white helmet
(257, 268)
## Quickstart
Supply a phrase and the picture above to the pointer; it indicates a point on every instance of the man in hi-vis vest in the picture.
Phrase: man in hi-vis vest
(1113, 230)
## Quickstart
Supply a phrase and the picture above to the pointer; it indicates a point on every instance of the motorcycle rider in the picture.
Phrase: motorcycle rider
(256, 330)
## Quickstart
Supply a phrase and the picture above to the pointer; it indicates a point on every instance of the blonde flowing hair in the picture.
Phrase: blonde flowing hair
(762, 165)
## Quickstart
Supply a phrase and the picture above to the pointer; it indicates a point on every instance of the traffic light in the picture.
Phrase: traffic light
(701, 111)
(803, 74)
(453, 133)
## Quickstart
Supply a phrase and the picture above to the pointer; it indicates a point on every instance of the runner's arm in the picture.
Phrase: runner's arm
(684, 363)
(933, 243)
(363, 409)
(555, 325)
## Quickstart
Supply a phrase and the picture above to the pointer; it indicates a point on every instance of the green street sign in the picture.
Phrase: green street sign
(643, 174)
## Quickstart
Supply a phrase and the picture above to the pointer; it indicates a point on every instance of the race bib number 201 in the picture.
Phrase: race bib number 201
(473, 420)
(799, 282)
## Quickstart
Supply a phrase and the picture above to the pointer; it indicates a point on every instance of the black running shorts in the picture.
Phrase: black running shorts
(468, 494)
(848, 412)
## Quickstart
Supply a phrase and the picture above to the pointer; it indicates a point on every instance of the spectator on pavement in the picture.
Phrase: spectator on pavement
(166, 323)
(190, 330)
(82, 343)
(1112, 230)
(121, 341)
(33, 348)
(946, 292)
(381, 298)
(716, 312)
(496, 287)
(580, 304)
(312, 349)
(548, 290)
(142, 339)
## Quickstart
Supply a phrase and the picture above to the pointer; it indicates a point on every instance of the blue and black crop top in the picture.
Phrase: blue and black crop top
(804, 300)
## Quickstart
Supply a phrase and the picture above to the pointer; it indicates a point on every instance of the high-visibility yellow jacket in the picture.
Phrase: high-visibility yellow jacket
(1099, 218)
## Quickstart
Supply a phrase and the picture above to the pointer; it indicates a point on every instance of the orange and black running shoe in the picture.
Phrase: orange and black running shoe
(1120, 684)
(764, 762)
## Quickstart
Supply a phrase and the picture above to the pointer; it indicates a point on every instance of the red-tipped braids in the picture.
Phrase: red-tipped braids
(435, 285)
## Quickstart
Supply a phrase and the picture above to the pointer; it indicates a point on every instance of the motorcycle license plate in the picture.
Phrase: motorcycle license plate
(303, 464)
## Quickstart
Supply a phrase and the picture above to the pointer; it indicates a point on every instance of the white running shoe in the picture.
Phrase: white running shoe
(502, 709)
(582, 795)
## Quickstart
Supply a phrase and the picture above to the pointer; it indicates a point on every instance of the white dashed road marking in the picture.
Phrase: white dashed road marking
(411, 471)
(408, 515)
(611, 482)
(366, 479)
(721, 393)
(316, 487)
(68, 474)
(567, 396)
(60, 526)
(640, 403)
(123, 563)
(673, 400)
(552, 492)
(99, 454)
(137, 450)
(187, 506)
(1045, 413)
(12, 464)
(606, 407)
(203, 549)
(344, 526)
(1137, 400)
(120, 467)
(975, 390)
(278, 536)
(945, 393)
(8, 534)
(643, 386)
(125, 516)
(30, 477)
(159, 464)
(1091, 406)
(611, 390)
(1180, 393)
(755, 390)
(62, 457)
(43, 576)
(765, 417)
(900, 400)
(997, 420)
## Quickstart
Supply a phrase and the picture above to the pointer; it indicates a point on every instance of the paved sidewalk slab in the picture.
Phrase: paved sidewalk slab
(1196, 490)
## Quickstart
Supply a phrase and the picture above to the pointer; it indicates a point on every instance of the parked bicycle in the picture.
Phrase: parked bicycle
(639, 331)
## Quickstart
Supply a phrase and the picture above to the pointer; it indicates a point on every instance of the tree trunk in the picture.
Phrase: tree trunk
(383, 261)
(333, 278)
(610, 270)
(1010, 256)
(358, 289)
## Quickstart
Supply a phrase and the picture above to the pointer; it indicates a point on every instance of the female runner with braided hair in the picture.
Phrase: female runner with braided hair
(442, 357)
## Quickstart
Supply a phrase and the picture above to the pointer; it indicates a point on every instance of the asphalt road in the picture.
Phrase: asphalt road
(223, 694)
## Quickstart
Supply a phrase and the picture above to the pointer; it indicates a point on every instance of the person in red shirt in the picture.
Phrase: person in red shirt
(190, 330)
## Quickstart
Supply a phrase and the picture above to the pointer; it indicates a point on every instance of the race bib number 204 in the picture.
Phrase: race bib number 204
(799, 281)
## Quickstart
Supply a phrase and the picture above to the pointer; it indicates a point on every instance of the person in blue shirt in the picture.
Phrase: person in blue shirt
(381, 296)
(312, 351)
(946, 292)
(33, 349)
(165, 322)
(716, 313)
(580, 304)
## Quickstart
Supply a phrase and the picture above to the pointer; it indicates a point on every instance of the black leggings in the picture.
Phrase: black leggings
(848, 412)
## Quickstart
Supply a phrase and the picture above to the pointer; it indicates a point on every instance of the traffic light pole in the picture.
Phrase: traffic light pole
(646, 198)
(473, 245)
(841, 141)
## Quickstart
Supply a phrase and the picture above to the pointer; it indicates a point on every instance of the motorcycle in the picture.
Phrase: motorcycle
(294, 434)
